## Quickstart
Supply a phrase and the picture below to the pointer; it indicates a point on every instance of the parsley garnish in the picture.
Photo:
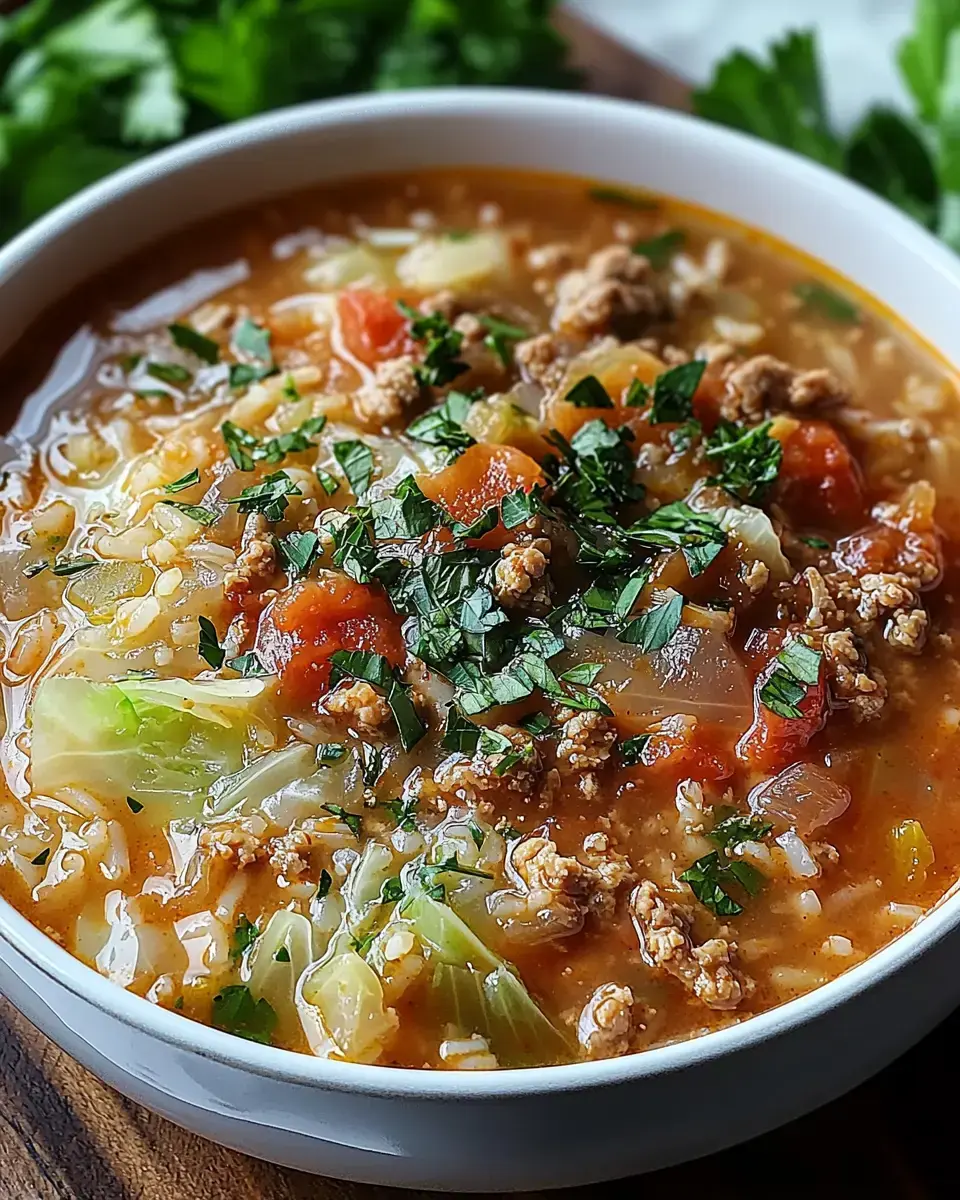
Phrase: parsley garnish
(710, 876)
(253, 340)
(428, 872)
(443, 426)
(41, 858)
(245, 933)
(326, 480)
(660, 249)
(268, 497)
(683, 437)
(796, 668)
(238, 442)
(653, 629)
(372, 762)
(246, 449)
(391, 891)
(297, 553)
(330, 753)
(735, 829)
(134, 805)
(537, 724)
(209, 647)
(614, 195)
(196, 512)
(677, 527)
(187, 338)
(493, 744)
(673, 392)
(441, 344)
(500, 335)
(582, 673)
(459, 734)
(749, 459)
(169, 372)
(248, 665)
(405, 513)
(356, 462)
(631, 749)
(374, 669)
(282, 954)
(828, 303)
(324, 883)
(183, 482)
(235, 1011)
(353, 821)
(818, 543)
(588, 392)
(74, 566)
(404, 812)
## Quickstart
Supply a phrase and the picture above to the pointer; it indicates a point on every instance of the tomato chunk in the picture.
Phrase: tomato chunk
(302, 628)
(773, 741)
(819, 477)
(479, 479)
(680, 747)
(371, 326)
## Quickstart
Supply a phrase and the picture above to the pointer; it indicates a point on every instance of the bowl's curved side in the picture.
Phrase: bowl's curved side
(795, 200)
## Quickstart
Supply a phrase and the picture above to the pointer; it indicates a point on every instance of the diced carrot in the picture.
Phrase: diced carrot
(819, 477)
(301, 630)
(616, 370)
(372, 328)
(679, 747)
(479, 479)
(773, 741)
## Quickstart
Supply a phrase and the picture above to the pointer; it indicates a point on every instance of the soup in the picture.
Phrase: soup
(475, 620)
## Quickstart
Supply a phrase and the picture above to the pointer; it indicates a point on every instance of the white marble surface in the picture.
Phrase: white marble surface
(857, 37)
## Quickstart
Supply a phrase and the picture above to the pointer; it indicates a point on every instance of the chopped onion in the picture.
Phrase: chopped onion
(440, 262)
(802, 798)
(697, 673)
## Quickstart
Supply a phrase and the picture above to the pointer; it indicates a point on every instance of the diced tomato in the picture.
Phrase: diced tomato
(773, 741)
(479, 479)
(679, 747)
(301, 630)
(819, 477)
(371, 326)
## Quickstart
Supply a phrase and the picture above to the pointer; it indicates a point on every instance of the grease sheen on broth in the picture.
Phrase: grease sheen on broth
(697, 763)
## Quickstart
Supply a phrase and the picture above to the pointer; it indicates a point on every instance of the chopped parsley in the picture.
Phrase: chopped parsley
(281, 954)
(374, 669)
(660, 249)
(74, 566)
(353, 821)
(372, 763)
(676, 526)
(749, 459)
(391, 891)
(819, 298)
(796, 668)
(631, 749)
(297, 552)
(324, 884)
(253, 340)
(326, 480)
(209, 647)
(403, 811)
(673, 392)
(443, 426)
(629, 199)
(188, 338)
(588, 392)
(428, 872)
(499, 336)
(817, 543)
(196, 512)
(356, 461)
(459, 734)
(134, 805)
(582, 673)
(652, 630)
(405, 513)
(442, 344)
(330, 753)
(41, 858)
(171, 373)
(683, 437)
(245, 933)
(236, 1011)
(537, 724)
(246, 449)
(494, 744)
(183, 482)
(710, 877)
(735, 829)
(268, 497)
(248, 665)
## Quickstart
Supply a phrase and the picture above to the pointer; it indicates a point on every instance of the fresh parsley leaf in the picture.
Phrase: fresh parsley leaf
(494, 744)
(500, 335)
(330, 753)
(353, 821)
(248, 665)
(326, 480)
(818, 543)
(171, 373)
(652, 630)
(428, 872)
(442, 344)
(41, 858)
(236, 1011)
(709, 877)
(241, 375)
(638, 394)
(391, 891)
(268, 497)
(443, 426)
(324, 884)
(187, 338)
(372, 763)
(537, 724)
(245, 933)
(134, 805)
(749, 459)
(281, 954)
(374, 669)
(196, 512)
(677, 527)
(74, 566)
(356, 461)
(588, 392)
(404, 812)
(518, 507)
(582, 673)
(659, 250)
(459, 734)
(683, 437)
(801, 660)
(819, 298)
(297, 552)
(296, 441)
(239, 443)
(479, 837)
(674, 390)
(253, 340)
(734, 830)
(183, 482)
(888, 153)
(209, 647)
(796, 668)
(629, 199)
(631, 749)
(405, 513)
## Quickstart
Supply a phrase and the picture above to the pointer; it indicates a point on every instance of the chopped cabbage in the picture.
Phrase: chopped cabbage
(274, 979)
(751, 527)
(261, 778)
(454, 262)
(349, 264)
(342, 1009)
(161, 742)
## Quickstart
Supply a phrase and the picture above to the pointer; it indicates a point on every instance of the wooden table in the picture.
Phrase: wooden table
(66, 1136)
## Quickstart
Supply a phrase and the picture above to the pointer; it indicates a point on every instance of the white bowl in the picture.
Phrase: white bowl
(550, 1126)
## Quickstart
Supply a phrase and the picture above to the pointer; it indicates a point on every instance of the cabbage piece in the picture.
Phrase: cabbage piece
(349, 264)
(274, 979)
(163, 743)
(342, 1010)
(751, 528)
(697, 673)
(441, 262)
(261, 778)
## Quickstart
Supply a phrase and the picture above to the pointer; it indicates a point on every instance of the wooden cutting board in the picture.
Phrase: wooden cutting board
(66, 1136)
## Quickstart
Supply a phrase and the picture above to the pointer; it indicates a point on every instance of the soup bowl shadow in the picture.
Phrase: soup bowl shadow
(506, 1130)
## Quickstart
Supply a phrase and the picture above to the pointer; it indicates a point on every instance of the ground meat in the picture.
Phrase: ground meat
(256, 562)
(469, 778)
(543, 359)
(892, 595)
(756, 576)
(853, 683)
(693, 280)
(617, 292)
(612, 869)
(361, 705)
(606, 1024)
(822, 605)
(520, 577)
(666, 945)
(394, 390)
(764, 385)
(586, 740)
(242, 843)
(550, 259)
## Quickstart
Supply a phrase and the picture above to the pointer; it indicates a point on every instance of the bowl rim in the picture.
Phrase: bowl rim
(288, 1066)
